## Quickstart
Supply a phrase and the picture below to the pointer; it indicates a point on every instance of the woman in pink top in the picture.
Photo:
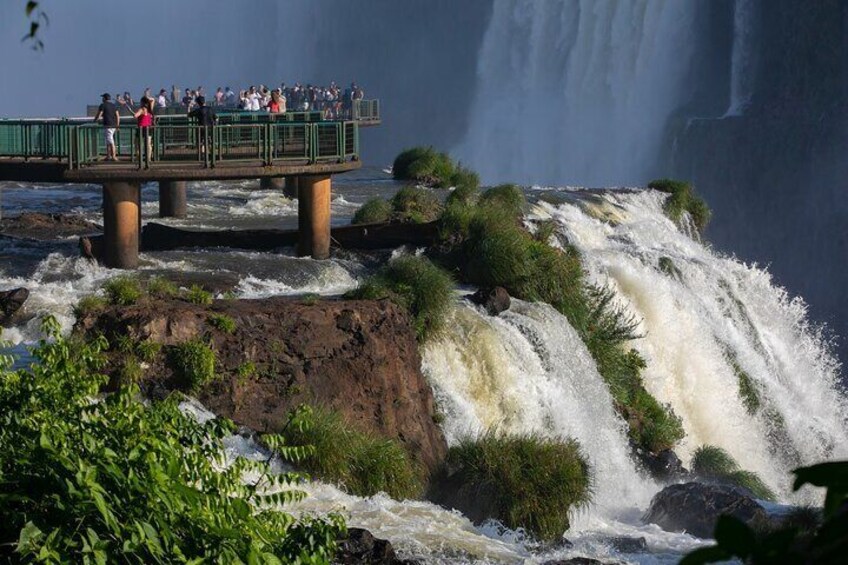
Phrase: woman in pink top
(144, 116)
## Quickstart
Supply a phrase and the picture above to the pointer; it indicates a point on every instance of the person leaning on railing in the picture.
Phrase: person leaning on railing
(144, 115)
(111, 122)
(206, 119)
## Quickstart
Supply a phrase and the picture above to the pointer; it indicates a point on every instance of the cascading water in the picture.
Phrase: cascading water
(742, 77)
(578, 89)
(706, 319)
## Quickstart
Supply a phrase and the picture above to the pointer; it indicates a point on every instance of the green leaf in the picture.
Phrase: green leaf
(29, 538)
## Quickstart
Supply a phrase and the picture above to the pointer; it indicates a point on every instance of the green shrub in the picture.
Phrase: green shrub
(683, 199)
(360, 463)
(129, 370)
(508, 196)
(416, 205)
(123, 343)
(415, 283)
(374, 211)
(222, 323)
(161, 287)
(463, 195)
(123, 290)
(427, 166)
(193, 362)
(465, 179)
(528, 481)
(402, 163)
(197, 295)
(714, 463)
(147, 350)
(89, 304)
(246, 370)
(124, 480)
(545, 230)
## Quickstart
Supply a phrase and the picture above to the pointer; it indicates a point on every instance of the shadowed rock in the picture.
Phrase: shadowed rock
(10, 302)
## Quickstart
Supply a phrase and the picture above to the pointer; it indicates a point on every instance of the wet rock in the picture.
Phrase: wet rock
(663, 466)
(695, 507)
(46, 226)
(628, 545)
(362, 547)
(10, 302)
(358, 357)
(574, 561)
(495, 300)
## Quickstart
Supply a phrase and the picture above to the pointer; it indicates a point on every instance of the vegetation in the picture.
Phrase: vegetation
(668, 267)
(193, 362)
(415, 205)
(529, 481)
(148, 350)
(160, 287)
(427, 166)
(802, 538)
(374, 211)
(123, 290)
(121, 480)
(360, 463)
(415, 283)
(197, 295)
(747, 389)
(222, 323)
(89, 304)
(683, 198)
(714, 463)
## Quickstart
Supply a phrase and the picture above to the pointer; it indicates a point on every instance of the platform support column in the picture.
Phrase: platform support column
(290, 190)
(172, 199)
(272, 183)
(121, 223)
(313, 216)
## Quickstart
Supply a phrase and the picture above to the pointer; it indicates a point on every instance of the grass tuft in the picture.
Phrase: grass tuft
(714, 463)
(360, 463)
(222, 323)
(123, 291)
(197, 295)
(374, 211)
(509, 196)
(193, 362)
(683, 198)
(148, 350)
(160, 287)
(527, 481)
(415, 205)
(89, 304)
(415, 283)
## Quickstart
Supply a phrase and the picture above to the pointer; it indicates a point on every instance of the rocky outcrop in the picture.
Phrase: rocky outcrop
(695, 508)
(494, 300)
(664, 466)
(361, 546)
(10, 302)
(46, 226)
(357, 357)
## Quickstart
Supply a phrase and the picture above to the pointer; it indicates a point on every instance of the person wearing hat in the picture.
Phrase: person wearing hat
(111, 122)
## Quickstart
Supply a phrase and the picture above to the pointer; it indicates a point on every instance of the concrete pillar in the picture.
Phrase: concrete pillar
(121, 222)
(290, 190)
(172, 199)
(313, 216)
(272, 183)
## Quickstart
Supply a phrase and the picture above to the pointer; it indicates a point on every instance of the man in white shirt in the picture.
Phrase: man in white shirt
(162, 99)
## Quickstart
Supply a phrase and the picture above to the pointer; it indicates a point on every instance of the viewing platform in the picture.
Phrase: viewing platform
(295, 152)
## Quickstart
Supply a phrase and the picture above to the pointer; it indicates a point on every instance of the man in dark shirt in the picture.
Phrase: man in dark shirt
(206, 118)
(111, 122)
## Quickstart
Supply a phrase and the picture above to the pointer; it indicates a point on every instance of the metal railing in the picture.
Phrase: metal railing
(262, 142)
(366, 110)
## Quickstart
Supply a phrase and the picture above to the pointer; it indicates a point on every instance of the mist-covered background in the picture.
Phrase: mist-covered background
(747, 98)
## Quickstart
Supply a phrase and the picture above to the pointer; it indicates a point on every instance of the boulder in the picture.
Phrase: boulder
(625, 544)
(663, 466)
(495, 300)
(357, 357)
(10, 302)
(695, 508)
(574, 561)
(35, 225)
(361, 546)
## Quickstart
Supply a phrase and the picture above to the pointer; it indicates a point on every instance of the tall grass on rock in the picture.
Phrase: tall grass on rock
(415, 283)
(121, 480)
(415, 205)
(427, 166)
(683, 198)
(374, 211)
(360, 463)
(193, 363)
(527, 481)
(714, 463)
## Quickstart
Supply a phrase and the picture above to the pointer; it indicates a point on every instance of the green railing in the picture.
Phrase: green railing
(366, 110)
(261, 141)
(363, 111)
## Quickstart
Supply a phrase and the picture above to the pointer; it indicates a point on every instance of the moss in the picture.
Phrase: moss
(246, 370)
(374, 211)
(683, 198)
(197, 295)
(714, 463)
(89, 304)
(528, 481)
(193, 362)
(416, 284)
(222, 323)
(747, 389)
(160, 287)
(416, 205)
(123, 290)
(360, 463)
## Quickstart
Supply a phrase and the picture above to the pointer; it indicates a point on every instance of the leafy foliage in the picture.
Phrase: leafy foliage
(112, 479)
(193, 363)
(529, 481)
(418, 285)
(683, 198)
(360, 463)
(123, 290)
(795, 541)
(714, 463)
(374, 211)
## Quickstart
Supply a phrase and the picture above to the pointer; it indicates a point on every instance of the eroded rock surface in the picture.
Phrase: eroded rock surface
(11, 302)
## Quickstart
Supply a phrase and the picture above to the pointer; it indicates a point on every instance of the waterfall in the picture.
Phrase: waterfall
(743, 62)
(705, 319)
(578, 89)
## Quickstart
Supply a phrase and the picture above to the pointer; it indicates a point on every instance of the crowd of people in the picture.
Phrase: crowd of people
(335, 102)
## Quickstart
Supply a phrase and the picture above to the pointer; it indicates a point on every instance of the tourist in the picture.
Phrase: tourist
(219, 97)
(162, 99)
(206, 119)
(188, 99)
(144, 117)
(175, 95)
(277, 105)
(111, 122)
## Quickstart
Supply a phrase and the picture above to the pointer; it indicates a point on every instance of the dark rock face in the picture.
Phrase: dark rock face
(574, 561)
(629, 545)
(46, 226)
(695, 507)
(357, 357)
(663, 466)
(495, 300)
(10, 302)
(362, 547)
